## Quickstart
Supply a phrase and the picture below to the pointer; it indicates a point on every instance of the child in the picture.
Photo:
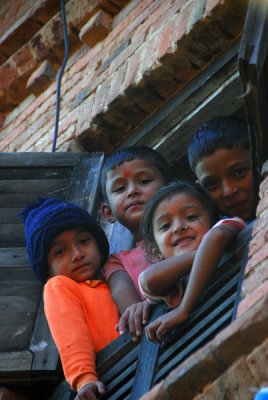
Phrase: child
(66, 249)
(219, 155)
(176, 228)
(129, 178)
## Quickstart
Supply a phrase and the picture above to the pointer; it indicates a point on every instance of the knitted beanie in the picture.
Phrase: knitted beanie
(45, 219)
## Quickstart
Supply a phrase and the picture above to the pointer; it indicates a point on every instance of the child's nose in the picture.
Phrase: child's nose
(132, 188)
(76, 253)
(178, 225)
(227, 188)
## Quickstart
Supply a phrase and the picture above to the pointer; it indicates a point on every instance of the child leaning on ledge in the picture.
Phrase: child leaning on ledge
(67, 249)
(179, 228)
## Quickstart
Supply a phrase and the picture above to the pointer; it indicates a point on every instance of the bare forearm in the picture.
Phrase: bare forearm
(123, 291)
(207, 258)
(160, 277)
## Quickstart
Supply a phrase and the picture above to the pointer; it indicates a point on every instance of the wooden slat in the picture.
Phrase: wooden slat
(17, 315)
(13, 257)
(35, 173)
(147, 360)
(35, 159)
(10, 215)
(12, 235)
(52, 186)
(46, 357)
(83, 188)
(15, 367)
(21, 200)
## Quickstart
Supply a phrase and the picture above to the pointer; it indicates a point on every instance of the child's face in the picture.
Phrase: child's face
(227, 177)
(129, 187)
(75, 254)
(179, 223)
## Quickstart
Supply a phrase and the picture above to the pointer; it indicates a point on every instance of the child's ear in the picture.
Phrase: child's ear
(107, 213)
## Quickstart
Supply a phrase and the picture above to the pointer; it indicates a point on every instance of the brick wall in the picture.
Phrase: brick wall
(143, 54)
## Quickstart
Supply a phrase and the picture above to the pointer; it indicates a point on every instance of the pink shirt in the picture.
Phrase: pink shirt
(132, 261)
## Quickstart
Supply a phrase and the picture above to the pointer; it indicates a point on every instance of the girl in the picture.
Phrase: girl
(177, 229)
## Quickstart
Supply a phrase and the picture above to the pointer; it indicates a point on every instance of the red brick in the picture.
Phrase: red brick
(24, 61)
(157, 393)
(96, 29)
(236, 382)
(256, 278)
(8, 74)
(252, 299)
(260, 255)
(41, 78)
(258, 240)
(191, 376)
(84, 114)
(257, 362)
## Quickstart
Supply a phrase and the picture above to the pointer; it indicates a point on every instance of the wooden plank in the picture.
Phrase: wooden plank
(51, 186)
(116, 370)
(147, 361)
(114, 352)
(21, 200)
(14, 257)
(12, 235)
(17, 315)
(46, 357)
(15, 367)
(10, 215)
(83, 189)
(39, 159)
(33, 172)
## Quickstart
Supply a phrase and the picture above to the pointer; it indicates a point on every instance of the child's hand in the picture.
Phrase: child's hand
(91, 391)
(157, 330)
(134, 317)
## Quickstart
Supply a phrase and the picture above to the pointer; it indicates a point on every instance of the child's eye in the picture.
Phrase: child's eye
(240, 172)
(210, 185)
(59, 251)
(192, 217)
(164, 227)
(118, 189)
(145, 181)
(85, 240)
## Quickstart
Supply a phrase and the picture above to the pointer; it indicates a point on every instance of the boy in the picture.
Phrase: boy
(129, 178)
(66, 249)
(219, 155)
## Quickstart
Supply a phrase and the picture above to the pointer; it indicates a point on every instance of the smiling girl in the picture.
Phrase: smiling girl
(179, 228)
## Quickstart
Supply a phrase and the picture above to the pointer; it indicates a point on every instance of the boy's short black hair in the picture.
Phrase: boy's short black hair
(164, 193)
(224, 132)
(131, 153)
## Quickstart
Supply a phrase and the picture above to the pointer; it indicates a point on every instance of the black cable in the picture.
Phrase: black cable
(66, 54)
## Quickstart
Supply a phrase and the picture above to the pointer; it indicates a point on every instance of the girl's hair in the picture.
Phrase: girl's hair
(164, 193)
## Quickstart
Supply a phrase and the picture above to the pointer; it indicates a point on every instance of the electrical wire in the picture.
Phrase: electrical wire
(66, 54)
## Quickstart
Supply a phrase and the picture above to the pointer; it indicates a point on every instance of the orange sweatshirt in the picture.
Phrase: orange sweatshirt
(82, 319)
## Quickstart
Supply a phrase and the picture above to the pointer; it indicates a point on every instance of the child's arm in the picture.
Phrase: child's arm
(160, 278)
(66, 315)
(123, 291)
(134, 312)
(213, 244)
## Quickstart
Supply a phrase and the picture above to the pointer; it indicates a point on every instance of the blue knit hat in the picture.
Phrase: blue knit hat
(45, 219)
